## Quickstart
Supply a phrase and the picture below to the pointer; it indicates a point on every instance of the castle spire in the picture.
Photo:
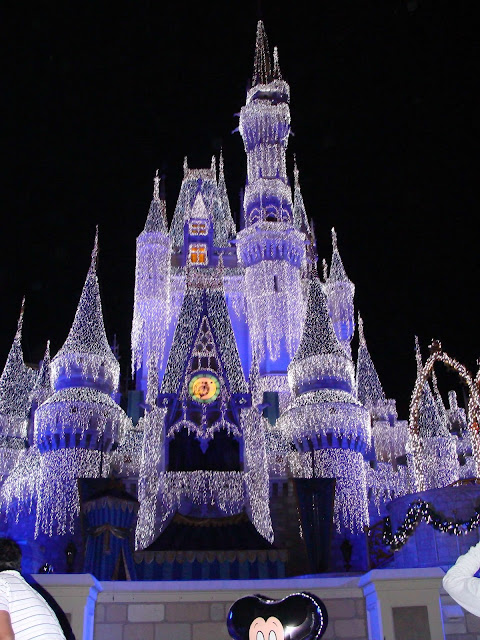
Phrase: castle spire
(337, 270)
(157, 215)
(42, 388)
(277, 74)
(18, 334)
(16, 382)
(261, 64)
(87, 335)
(318, 336)
(300, 219)
(369, 387)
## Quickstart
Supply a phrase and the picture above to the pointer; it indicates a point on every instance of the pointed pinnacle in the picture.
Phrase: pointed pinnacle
(325, 270)
(418, 354)
(213, 166)
(221, 175)
(361, 334)
(95, 251)
(277, 74)
(185, 166)
(261, 65)
(296, 172)
(334, 239)
(18, 334)
(156, 186)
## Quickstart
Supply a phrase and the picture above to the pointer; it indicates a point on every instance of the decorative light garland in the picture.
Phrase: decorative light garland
(421, 510)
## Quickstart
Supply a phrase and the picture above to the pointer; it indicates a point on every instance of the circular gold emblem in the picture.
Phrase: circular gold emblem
(204, 387)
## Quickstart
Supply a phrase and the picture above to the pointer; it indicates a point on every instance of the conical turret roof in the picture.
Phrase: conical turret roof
(42, 388)
(16, 380)
(300, 219)
(369, 387)
(318, 337)
(337, 270)
(157, 215)
(87, 335)
(430, 423)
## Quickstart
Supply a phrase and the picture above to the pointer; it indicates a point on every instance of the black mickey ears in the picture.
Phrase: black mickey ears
(303, 616)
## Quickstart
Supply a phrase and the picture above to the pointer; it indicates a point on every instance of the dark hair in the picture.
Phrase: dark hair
(10, 555)
(304, 614)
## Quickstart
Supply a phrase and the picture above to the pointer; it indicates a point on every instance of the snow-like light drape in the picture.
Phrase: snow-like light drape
(151, 467)
(387, 483)
(275, 307)
(389, 439)
(257, 472)
(58, 501)
(18, 493)
(350, 505)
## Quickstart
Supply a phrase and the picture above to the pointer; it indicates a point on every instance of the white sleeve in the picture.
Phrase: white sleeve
(460, 583)
(4, 595)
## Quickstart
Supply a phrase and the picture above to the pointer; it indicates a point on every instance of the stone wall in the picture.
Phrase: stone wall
(197, 611)
(359, 607)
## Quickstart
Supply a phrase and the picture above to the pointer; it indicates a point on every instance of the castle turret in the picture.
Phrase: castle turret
(340, 291)
(328, 426)
(16, 383)
(79, 426)
(433, 448)
(152, 295)
(270, 248)
(369, 387)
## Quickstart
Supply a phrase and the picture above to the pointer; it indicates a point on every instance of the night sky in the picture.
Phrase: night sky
(97, 95)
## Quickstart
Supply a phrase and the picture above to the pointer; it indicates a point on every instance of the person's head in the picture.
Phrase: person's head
(10, 555)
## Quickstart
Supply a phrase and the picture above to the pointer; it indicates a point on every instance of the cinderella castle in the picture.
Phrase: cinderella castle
(255, 443)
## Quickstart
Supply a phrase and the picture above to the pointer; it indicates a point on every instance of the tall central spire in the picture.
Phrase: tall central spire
(262, 64)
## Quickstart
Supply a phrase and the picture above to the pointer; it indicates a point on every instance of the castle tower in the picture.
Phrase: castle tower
(16, 383)
(328, 426)
(340, 291)
(270, 248)
(78, 427)
(435, 461)
(300, 221)
(204, 455)
(151, 311)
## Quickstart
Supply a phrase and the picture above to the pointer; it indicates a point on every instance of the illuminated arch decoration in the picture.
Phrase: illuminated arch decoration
(473, 384)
